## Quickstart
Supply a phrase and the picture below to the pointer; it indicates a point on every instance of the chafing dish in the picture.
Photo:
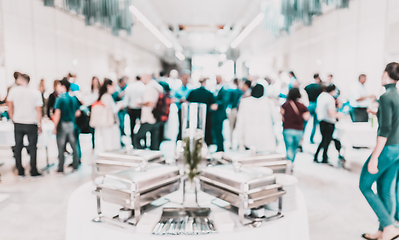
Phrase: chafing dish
(189, 221)
(276, 161)
(245, 189)
(135, 190)
(124, 159)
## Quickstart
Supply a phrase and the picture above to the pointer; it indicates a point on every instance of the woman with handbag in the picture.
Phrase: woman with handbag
(104, 119)
(294, 114)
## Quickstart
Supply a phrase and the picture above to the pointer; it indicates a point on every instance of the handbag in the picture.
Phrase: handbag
(101, 116)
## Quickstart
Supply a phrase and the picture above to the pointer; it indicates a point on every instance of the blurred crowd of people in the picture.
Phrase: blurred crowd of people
(251, 105)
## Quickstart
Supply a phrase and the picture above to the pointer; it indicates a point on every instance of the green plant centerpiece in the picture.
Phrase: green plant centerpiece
(193, 126)
(192, 155)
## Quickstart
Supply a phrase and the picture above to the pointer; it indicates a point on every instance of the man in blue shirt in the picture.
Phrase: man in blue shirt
(180, 95)
(66, 109)
(118, 96)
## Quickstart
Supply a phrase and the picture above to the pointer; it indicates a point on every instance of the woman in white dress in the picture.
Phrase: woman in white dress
(255, 119)
(108, 138)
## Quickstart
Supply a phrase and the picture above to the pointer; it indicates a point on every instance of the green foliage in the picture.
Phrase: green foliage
(193, 158)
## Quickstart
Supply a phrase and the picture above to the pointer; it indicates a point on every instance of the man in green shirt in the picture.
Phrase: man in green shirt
(66, 109)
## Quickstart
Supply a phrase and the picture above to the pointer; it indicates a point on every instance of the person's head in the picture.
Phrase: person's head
(362, 78)
(330, 78)
(291, 74)
(246, 85)
(123, 81)
(138, 78)
(55, 85)
(185, 76)
(331, 89)
(16, 75)
(174, 74)
(64, 86)
(146, 78)
(294, 94)
(219, 79)
(95, 83)
(257, 91)
(107, 87)
(391, 74)
(23, 79)
(71, 77)
(161, 73)
(236, 81)
(316, 77)
(202, 81)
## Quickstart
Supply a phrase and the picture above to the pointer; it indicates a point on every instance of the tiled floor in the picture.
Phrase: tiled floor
(36, 208)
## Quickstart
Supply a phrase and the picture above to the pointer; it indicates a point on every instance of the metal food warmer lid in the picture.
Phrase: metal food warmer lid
(275, 161)
(124, 159)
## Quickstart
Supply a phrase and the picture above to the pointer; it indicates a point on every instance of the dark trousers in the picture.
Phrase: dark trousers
(154, 129)
(359, 115)
(134, 114)
(312, 111)
(77, 142)
(327, 130)
(66, 133)
(208, 131)
(217, 127)
(30, 130)
(179, 135)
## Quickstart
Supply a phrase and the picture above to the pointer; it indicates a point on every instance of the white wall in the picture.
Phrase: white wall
(347, 41)
(43, 41)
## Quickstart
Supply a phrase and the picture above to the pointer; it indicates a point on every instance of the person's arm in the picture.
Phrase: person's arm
(385, 129)
(56, 119)
(282, 112)
(10, 106)
(39, 118)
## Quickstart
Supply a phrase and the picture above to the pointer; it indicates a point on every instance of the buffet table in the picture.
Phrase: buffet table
(356, 135)
(82, 209)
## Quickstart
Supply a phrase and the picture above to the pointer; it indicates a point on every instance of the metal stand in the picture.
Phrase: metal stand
(184, 180)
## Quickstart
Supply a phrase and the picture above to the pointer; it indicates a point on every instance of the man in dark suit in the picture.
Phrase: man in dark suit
(218, 116)
(201, 95)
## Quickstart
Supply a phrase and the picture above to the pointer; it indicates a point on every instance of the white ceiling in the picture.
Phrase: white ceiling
(198, 13)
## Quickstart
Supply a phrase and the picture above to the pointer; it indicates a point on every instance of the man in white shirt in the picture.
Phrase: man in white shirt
(133, 101)
(148, 120)
(25, 109)
(360, 100)
(327, 116)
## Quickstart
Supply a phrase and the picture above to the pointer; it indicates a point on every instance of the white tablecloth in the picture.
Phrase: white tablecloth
(7, 134)
(82, 209)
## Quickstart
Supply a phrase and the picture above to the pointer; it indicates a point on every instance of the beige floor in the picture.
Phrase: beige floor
(36, 208)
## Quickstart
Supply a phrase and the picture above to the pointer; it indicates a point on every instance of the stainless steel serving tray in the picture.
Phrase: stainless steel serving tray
(124, 159)
(136, 188)
(275, 161)
(242, 188)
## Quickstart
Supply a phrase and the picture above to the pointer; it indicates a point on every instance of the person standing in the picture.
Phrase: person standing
(222, 100)
(133, 100)
(235, 96)
(66, 109)
(327, 116)
(360, 100)
(246, 89)
(118, 95)
(107, 137)
(51, 99)
(255, 120)
(180, 95)
(202, 95)
(25, 111)
(314, 90)
(382, 165)
(148, 121)
(294, 114)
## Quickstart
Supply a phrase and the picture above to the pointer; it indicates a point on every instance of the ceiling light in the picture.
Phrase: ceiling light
(180, 56)
(247, 30)
(150, 26)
